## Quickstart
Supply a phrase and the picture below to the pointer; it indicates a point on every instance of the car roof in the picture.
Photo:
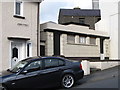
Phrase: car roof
(39, 57)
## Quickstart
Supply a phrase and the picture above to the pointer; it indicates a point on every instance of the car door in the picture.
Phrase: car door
(52, 72)
(31, 77)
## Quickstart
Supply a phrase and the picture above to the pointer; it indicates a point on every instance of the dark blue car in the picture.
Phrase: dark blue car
(42, 72)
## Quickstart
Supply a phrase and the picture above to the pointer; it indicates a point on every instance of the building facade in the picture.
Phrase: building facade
(74, 41)
(80, 16)
(18, 35)
(110, 22)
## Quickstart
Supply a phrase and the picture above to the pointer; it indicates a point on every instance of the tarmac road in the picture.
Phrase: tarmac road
(109, 78)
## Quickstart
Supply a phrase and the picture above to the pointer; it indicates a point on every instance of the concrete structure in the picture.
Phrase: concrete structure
(110, 22)
(80, 16)
(104, 65)
(86, 67)
(18, 35)
(74, 41)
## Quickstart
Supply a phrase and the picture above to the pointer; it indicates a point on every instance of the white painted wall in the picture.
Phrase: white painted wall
(104, 65)
(119, 29)
(86, 67)
(109, 23)
(16, 27)
(0, 36)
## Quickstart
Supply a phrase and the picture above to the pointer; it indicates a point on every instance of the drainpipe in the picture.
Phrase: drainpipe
(102, 49)
(38, 30)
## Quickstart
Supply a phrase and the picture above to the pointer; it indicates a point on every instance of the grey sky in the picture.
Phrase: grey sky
(50, 8)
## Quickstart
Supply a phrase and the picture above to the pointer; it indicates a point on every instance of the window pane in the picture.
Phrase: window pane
(51, 63)
(28, 50)
(61, 62)
(93, 40)
(82, 39)
(18, 5)
(34, 66)
(18, 66)
(14, 52)
(70, 38)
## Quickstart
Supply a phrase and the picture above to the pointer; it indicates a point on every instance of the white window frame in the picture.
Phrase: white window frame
(82, 40)
(21, 8)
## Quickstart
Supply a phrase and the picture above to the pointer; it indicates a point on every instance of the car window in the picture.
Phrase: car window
(34, 66)
(61, 63)
(18, 66)
(49, 63)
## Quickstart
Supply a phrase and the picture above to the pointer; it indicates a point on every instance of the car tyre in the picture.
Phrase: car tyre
(67, 81)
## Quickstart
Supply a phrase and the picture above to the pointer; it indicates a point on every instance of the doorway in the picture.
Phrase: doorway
(42, 50)
(17, 52)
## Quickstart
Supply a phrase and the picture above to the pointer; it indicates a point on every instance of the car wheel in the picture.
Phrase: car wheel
(67, 81)
(4, 88)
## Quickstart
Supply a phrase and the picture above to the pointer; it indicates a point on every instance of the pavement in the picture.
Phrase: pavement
(100, 75)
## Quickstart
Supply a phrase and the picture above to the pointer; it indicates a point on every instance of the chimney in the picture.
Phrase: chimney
(76, 8)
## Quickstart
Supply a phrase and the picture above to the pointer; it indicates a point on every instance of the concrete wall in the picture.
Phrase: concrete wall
(18, 27)
(76, 49)
(104, 65)
(49, 44)
(107, 48)
(80, 50)
(73, 49)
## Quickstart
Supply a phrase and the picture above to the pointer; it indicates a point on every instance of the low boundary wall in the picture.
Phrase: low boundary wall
(86, 64)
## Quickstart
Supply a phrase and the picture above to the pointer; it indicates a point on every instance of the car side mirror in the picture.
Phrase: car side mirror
(8, 69)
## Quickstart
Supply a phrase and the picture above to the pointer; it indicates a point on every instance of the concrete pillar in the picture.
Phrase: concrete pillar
(61, 44)
(77, 39)
(86, 67)
(49, 44)
(87, 40)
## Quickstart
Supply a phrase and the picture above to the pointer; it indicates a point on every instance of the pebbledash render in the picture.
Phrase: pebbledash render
(18, 31)
(74, 41)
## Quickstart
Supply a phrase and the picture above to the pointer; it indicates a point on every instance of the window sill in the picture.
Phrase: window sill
(82, 44)
(17, 16)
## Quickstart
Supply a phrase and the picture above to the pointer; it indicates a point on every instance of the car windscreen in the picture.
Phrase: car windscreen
(18, 66)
